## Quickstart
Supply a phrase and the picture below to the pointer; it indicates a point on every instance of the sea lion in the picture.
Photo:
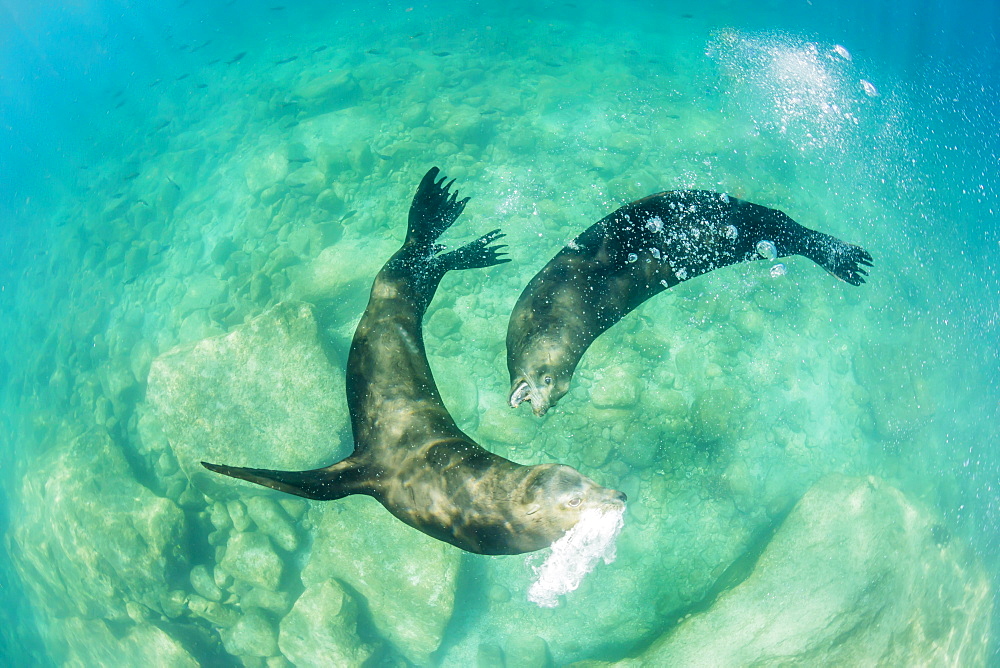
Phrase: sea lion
(408, 452)
(633, 254)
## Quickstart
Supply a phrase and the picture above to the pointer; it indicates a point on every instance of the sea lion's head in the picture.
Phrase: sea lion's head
(542, 382)
(554, 498)
(541, 387)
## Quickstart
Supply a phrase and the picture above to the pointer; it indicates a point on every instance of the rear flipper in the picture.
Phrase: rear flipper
(433, 210)
(845, 261)
(325, 484)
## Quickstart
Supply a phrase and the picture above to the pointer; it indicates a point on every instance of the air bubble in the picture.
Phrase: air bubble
(778, 270)
(767, 250)
(731, 232)
(655, 252)
(632, 257)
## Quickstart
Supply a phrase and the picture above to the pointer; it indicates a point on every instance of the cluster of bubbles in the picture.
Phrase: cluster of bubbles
(809, 92)
(576, 554)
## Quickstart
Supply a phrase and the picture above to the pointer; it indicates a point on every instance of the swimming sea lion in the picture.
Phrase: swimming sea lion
(408, 452)
(633, 254)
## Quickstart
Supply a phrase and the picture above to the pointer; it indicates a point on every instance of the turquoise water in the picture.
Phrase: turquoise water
(169, 175)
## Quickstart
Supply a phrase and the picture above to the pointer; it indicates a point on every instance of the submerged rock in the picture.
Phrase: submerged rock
(89, 539)
(321, 629)
(95, 643)
(252, 635)
(407, 579)
(856, 576)
(249, 557)
(264, 395)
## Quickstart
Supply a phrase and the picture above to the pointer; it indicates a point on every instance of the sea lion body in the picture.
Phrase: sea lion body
(633, 254)
(409, 453)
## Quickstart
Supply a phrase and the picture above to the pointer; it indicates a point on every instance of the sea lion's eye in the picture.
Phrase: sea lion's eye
(548, 380)
(574, 502)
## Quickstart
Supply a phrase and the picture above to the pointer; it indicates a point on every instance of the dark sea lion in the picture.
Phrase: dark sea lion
(408, 452)
(633, 254)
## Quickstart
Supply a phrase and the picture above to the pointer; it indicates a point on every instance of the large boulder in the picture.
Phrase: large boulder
(857, 575)
(321, 629)
(96, 643)
(406, 578)
(91, 542)
(264, 395)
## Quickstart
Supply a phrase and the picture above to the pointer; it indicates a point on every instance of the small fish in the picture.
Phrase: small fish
(120, 104)
(300, 160)
(162, 125)
(375, 52)
(182, 77)
(143, 202)
(687, 16)
(276, 9)
(384, 157)
(118, 196)
(173, 183)
(237, 58)
(416, 35)
(488, 112)
(201, 85)
(291, 125)
(201, 46)
(155, 83)
(297, 185)
(119, 92)
(131, 177)
(212, 62)
(442, 54)
(184, 47)
(286, 60)
(320, 48)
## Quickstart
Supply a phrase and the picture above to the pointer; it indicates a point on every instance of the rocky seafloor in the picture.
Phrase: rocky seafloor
(759, 425)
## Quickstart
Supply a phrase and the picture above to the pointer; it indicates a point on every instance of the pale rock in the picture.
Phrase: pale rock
(406, 578)
(264, 395)
(321, 629)
(857, 575)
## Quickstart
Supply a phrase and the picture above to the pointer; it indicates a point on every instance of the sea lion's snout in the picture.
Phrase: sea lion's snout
(612, 499)
(524, 391)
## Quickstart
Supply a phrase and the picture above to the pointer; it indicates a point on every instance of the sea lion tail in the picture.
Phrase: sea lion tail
(326, 484)
(433, 210)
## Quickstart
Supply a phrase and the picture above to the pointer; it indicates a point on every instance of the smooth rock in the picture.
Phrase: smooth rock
(249, 557)
(407, 578)
(92, 642)
(252, 635)
(321, 629)
(90, 538)
(857, 575)
(272, 520)
(262, 396)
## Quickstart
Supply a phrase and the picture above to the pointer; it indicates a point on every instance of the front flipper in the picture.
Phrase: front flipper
(845, 261)
(475, 254)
